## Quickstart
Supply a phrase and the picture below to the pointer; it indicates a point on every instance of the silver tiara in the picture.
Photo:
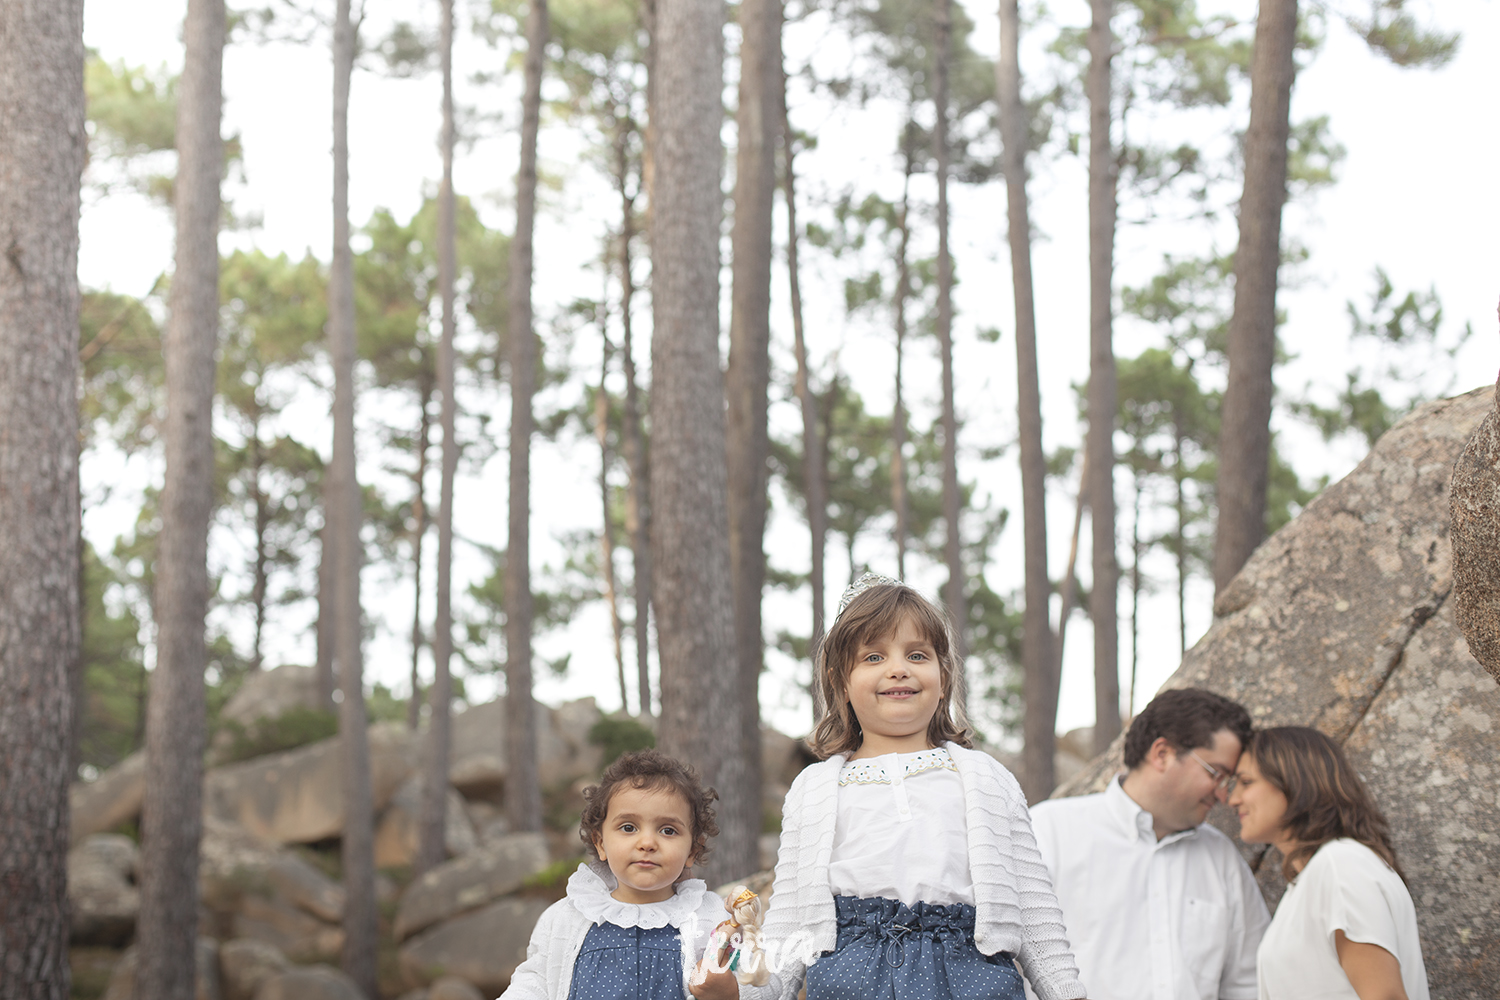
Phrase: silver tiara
(863, 584)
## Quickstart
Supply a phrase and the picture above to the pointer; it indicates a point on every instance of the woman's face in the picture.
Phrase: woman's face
(1260, 804)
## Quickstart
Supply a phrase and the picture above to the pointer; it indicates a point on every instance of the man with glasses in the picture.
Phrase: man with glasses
(1157, 904)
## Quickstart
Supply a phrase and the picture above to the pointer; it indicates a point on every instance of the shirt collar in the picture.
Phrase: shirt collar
(1135, 822)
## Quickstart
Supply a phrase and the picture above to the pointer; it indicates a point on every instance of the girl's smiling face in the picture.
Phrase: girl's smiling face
(647, 837)
(1261, 805)
(894, 687)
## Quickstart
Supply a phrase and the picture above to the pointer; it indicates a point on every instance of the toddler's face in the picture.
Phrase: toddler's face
(647, 839)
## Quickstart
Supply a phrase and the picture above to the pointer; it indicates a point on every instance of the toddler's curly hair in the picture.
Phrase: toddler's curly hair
(655, 770)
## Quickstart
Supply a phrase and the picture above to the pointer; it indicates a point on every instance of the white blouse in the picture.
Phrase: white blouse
(1345, 887)
(901, 831)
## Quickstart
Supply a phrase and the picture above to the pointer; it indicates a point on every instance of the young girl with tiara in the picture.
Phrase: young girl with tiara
(907, 865)
(631, 927)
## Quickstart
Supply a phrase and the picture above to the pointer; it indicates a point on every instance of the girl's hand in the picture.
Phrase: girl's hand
(716, 986)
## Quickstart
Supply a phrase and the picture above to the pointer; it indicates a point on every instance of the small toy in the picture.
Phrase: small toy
(735, 944)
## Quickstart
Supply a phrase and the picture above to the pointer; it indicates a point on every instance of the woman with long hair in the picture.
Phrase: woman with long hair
(1346, 927)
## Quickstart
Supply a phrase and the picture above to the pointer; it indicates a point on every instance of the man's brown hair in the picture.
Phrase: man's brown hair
(871, 615)
(1187, 719)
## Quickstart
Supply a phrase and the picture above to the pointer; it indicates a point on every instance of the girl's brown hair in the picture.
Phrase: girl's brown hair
(649, 769)
(873, 614)
(1325, 798)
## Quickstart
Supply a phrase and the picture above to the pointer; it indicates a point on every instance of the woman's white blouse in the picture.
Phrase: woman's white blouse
(901, 831)
(1345, 887)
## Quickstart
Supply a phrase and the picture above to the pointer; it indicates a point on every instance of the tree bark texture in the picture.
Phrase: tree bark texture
(260, 591)
(418, 534)
(747, 382)
(327, 566)
(899, 501)
(953, 590)
(1245, 431)
(606, 508)
(358, 842)
(432, 837)
(1041, 676)
(41, 159)
(637, 501)
(176, 724)
(1103, 383)
(814, 466)
(523, 795)
(693, 595)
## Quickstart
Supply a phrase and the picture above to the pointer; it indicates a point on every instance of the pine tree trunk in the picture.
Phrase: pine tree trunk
(327, 562)
(1179, 538)
(607, 522)
(1069, 588)
(1135, 596)
(899, 501)
(747, 384)
(637, 518)
(41, 159)
(1103, 386)
(523, 796)
(1041, 677)
(1245, 431)
(953, 590)
(432, 840)
(176, 724)
(418, 534)
(260, 590)
(689, 511)
(345, 509)
(814, 461)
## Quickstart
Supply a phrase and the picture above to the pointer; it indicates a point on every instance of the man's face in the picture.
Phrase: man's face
(1189, 789)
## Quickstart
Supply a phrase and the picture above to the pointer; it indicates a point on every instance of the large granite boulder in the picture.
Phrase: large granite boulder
(101, 890)
(234, 863)
(245, 965)
(256, 890)
(317, 982)
(453, 988)
(113, 798)
(564, 753)
(398, 834)
(483, 947)
(206, 984)
(1474, 501)
(265, 696)
(297, 796)
(469, 882)
(1343, 620)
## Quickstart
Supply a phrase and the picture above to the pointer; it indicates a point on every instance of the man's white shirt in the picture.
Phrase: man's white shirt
(1172, 919)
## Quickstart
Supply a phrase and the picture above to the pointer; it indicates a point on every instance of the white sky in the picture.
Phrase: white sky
(1415, 195)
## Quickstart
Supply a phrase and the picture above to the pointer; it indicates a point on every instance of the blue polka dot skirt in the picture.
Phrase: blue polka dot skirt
(889, 950)
(628, 963)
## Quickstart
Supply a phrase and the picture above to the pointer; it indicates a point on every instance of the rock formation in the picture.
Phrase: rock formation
(1474, 497)
(1344, 620)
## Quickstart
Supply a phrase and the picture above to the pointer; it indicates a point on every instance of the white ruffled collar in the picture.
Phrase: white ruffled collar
(589, 891)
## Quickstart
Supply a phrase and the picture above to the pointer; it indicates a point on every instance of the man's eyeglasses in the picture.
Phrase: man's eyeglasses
(1223, 780)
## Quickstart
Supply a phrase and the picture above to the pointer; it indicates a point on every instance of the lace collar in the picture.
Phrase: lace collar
(589, 891)
(877, 770)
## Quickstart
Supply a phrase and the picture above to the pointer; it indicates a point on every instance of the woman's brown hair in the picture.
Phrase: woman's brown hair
(1325, 798)
(873, 614)
(654, 770)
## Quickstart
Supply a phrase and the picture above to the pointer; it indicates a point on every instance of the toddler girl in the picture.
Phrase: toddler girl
(631, 928)
(907, 865)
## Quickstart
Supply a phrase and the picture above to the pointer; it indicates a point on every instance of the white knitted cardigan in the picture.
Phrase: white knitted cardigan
(547, 972)
(1016, 909)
